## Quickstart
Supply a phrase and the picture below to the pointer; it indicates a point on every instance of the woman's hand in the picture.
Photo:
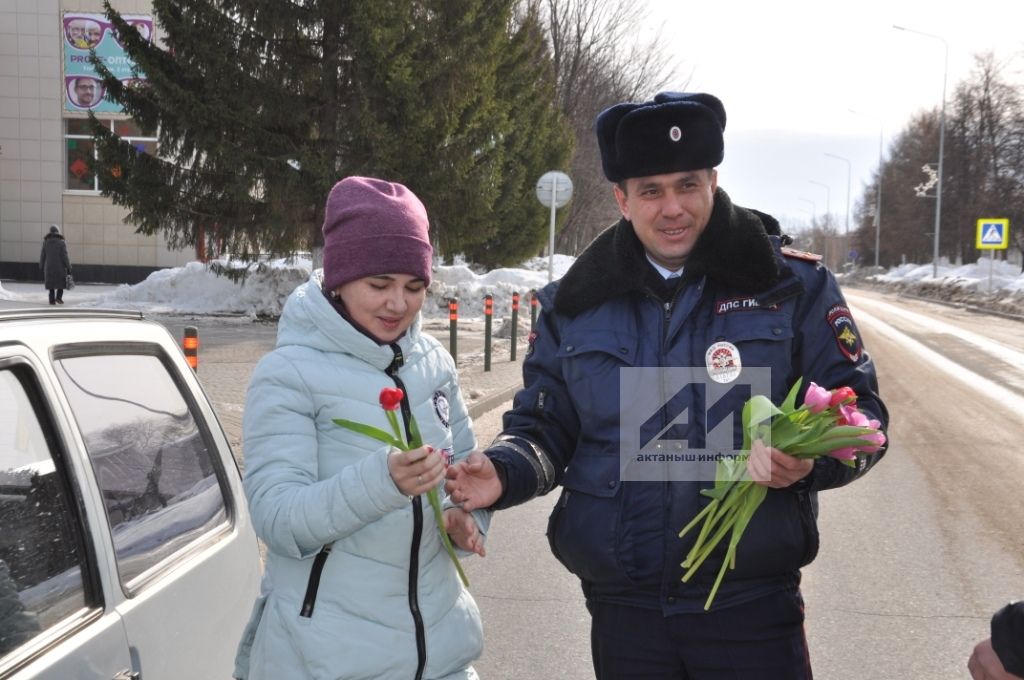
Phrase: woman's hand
(464, 532)
(417, 471)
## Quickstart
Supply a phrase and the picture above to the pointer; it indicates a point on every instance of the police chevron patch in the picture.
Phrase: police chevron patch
(841, 322)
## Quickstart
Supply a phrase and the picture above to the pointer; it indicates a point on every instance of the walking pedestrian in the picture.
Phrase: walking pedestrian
(55, 263)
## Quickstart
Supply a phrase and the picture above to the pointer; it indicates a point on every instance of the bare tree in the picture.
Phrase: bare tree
(598, 62)
(987, 152)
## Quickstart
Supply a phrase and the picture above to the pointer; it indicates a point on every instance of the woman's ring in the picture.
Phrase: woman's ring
(419, 479)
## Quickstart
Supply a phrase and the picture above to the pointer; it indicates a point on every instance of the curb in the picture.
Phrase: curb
(492, 401)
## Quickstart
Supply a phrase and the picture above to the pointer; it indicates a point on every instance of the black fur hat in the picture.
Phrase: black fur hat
(677, 131)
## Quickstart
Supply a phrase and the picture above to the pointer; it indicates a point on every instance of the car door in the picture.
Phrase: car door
(55, 621)
(185, 553)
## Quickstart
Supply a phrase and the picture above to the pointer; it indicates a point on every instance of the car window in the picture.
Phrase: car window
(153, 464)
(41, 574)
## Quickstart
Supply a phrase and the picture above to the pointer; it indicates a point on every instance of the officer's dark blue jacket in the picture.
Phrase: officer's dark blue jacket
(774, 308)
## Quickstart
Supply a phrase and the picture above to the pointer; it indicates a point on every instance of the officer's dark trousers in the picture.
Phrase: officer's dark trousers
(760, 640)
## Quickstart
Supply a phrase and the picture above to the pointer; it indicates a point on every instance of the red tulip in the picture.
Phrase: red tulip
(391, 398)
(842, 395)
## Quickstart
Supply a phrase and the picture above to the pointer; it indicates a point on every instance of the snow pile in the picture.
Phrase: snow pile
(220, 287)
(997, 285)
(460, 282)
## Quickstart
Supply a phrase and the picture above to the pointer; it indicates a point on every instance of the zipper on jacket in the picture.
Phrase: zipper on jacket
(309, 601)
(417, 526)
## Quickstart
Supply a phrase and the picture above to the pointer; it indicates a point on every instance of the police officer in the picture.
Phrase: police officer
(685, 280)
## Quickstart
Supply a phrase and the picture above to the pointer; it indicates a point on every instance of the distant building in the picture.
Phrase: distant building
(46, 89)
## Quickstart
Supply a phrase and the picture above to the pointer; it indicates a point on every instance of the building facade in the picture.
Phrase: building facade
(44, 137)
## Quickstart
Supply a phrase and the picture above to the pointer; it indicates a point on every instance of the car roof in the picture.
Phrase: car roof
(37, 313)
(42, 328)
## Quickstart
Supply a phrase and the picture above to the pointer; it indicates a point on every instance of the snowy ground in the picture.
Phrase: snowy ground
(259, 290)
(994, 285)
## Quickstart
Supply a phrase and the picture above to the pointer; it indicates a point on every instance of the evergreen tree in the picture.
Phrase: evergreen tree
(261, 107)
(526, 79)
(247, 100)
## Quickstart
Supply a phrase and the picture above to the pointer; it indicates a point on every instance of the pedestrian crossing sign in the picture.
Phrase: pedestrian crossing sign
(993, 233)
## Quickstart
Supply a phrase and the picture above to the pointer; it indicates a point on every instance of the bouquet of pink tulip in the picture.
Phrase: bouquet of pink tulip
(390, 400)
(828, 423)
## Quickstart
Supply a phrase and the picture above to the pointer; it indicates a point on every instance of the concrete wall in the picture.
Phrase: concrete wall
(32, 194)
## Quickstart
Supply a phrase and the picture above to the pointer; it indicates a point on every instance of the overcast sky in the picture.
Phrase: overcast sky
(789, 72)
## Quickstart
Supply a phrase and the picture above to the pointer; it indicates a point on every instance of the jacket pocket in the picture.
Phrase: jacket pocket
(582, 525)
(781, 538)
(591, 362)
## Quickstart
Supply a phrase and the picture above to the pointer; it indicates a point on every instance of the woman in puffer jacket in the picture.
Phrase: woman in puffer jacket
(358, 583)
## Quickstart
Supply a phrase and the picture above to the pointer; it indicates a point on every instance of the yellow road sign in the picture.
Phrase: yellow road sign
(993, 233)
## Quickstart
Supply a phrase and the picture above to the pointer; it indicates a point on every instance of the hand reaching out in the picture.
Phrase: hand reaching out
(473, 483)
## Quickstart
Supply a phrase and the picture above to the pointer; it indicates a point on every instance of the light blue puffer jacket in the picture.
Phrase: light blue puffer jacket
(311, 483)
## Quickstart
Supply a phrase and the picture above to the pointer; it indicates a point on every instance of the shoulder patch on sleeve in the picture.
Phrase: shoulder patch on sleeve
(800, 254)
(840, 321)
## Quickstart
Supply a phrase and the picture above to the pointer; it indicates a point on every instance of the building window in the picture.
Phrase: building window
(79, 148)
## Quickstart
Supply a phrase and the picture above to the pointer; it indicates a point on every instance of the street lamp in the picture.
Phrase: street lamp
(942, 143)
(814, 207)
(878, 189)
(828, 198)
(849, 168)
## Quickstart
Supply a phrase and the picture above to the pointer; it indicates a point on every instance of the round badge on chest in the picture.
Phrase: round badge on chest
(442, 408)
(723, 362)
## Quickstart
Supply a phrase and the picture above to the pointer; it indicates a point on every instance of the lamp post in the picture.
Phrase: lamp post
(849, 172)
(942, 144)
(878, 189)
(828, 198)
(814, 208)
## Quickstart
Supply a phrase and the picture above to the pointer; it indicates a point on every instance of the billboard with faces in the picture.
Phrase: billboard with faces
(83, 88)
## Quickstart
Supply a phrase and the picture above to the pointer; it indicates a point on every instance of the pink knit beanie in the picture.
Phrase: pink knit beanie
(374, 227)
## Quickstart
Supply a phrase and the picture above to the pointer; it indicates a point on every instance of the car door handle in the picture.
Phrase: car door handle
(127, 674)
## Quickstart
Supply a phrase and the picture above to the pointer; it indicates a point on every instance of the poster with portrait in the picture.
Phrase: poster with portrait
(83, 89)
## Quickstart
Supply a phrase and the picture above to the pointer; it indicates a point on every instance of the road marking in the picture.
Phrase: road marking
(1011, 401)
(1003, 352)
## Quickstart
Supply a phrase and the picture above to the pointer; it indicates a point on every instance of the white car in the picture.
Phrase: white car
(126, 549)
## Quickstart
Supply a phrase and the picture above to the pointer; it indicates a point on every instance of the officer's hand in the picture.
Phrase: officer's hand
(984, 663)
(775, 469)
(473, 483)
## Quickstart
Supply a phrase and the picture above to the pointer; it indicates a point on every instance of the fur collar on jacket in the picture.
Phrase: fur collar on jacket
(734, 250)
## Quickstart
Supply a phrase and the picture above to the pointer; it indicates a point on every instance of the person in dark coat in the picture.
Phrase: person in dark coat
(641, 361)
(56, 265)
